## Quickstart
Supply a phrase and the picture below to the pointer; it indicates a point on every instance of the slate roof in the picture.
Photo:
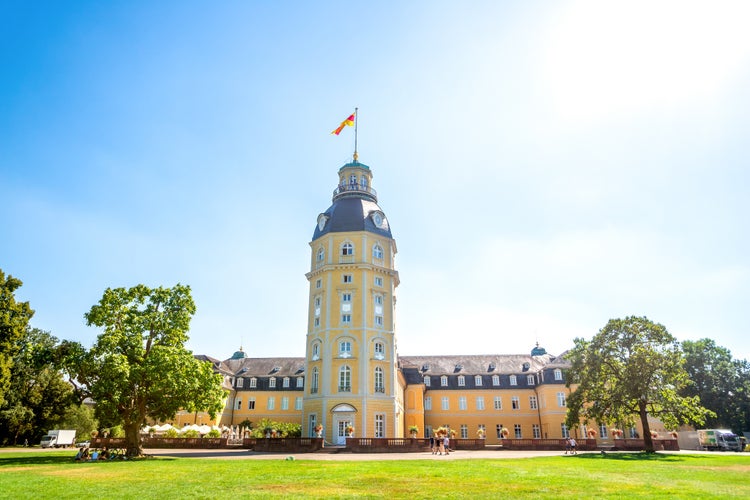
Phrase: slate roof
(352, 214)
(266, 367)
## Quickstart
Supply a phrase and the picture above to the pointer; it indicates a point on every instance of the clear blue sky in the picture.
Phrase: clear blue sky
(545, 166)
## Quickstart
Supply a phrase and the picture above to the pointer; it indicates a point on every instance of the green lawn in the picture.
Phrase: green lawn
(55, 475)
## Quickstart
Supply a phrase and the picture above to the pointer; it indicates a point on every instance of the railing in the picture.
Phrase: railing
(406, 445)
(343, 189)
(286, 445)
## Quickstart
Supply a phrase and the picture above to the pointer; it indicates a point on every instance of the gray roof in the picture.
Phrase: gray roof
(352, 214)
(476, 364)
(266, 367)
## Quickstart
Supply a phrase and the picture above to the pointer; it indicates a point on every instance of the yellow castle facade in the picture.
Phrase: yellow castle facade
(352, 376)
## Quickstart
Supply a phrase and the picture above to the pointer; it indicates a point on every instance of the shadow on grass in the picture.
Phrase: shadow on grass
(631, 457)
(40, 459)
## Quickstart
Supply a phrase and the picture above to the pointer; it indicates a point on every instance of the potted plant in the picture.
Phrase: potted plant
(616, 433)
(349, 430)
(654, 434)
(480, 433)
(673, 434)
(504, 433)
(318, 430)
(413, 430)
(591, 433)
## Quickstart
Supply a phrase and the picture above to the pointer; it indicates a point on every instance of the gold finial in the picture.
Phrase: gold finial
(355, 156)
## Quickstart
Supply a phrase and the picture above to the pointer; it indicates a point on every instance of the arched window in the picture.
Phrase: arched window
(345, 349)
(379, 350)
(477, 380)
(316, 351)
(347, 249)
(377, 251)
(345, 379)
(379, 380)
(558, 374)
(314, 381)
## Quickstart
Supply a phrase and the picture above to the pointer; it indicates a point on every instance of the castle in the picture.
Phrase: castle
(352, 375)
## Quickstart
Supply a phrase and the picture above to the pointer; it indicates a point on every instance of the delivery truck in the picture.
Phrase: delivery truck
(59, 438)
(719, 440)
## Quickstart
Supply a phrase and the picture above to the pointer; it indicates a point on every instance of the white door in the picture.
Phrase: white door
(342, 422)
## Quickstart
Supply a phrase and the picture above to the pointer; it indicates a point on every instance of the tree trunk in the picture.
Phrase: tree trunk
(648, 442)
(133, 440)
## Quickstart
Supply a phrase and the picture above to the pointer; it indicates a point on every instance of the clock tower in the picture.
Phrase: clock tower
(351, 366)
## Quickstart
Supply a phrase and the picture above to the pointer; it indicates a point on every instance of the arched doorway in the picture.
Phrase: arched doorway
(343, 417)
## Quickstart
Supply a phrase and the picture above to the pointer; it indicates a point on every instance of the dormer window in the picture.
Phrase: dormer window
(461, 381)
(558, 374)
(513, 380)
(444, 381)
(526, 366)
(272, 382)
(492, 367)
(427, 381)
(425, 367)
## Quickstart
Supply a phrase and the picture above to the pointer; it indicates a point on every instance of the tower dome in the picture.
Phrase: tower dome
(355, 205)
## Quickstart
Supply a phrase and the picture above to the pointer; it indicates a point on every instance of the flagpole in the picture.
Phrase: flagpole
(356, 118)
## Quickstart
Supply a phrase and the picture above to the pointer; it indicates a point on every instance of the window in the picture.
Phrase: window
(321, 255)
(379, 380)
(253, 383)
(530, 380)
(317, 305)
(316, 322)
(603, 431)
(250, 403)
(285, 382)
(498, 402)
(561, 399)
(478, 380)
(633, 433)
(300, 382)
(517, 431)
(464, 431)
(558, 374)
(346, 318)
(238, 382)
(377, 252)
(378, 300)
(346, 297)
(315, 351)
(480, 403)
(462, 403)
(379, 425)
(298, 403)
(428, 403)
(496, 380)
(378, 281)
(499, 431)
(314, 382)
(347, 278)
(237, 404)
(532, 402)
(427, 381)
(445, 403)
(444, 381)
(378, 320)
(461, 381)
(513, 380)
(271, 403)
(272, 382)
(312, 421)
(536, 432)
(347, 249)
(515, 403)
(345, 349)
(285, 403)
(564, 430)
(318, 283)
(379, 350)
(345, 379)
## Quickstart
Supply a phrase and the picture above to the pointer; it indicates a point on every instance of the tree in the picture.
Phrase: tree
(631, 369)
(39, 395)
(14, 319)
(719, 381)
(139, 368)
(81, 418)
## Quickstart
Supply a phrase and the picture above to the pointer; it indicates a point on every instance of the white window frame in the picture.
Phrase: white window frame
(285, 403)
(496, 380)
(478, 380)
(515, 403)
(513, 380)
(461, 381)
(561, 401)
(530, 380)
(480, 403)
(428, 403)
(345, 379)
(253, 383)
(378, 281)
(271, 403)
(444, 381)
(462, 405)
(272, 382)
(558, 374)
(445, 404)
(497, 403)
(533, 403)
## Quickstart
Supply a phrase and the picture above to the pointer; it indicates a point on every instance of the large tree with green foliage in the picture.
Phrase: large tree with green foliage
(631, 369)
(720, 382)
(139, 367)
(39, 395)
(14, 319)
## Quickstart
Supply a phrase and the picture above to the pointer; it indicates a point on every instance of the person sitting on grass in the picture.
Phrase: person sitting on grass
(95, 456)
(105, 454)
(82, 454)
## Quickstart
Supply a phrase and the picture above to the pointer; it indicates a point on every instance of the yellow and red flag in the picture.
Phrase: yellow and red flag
(349, 122)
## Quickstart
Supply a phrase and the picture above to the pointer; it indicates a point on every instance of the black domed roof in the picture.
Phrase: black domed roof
(352, 214)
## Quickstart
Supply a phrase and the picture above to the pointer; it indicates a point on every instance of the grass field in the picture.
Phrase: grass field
(55, 475)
